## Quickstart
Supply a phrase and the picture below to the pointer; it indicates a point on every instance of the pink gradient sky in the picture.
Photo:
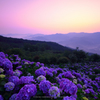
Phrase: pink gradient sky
(49, 16)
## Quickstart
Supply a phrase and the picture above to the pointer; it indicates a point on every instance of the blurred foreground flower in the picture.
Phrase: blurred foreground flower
(54, 92)
(9, 86)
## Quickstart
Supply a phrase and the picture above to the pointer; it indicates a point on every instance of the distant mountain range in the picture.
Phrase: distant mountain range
(89, 42)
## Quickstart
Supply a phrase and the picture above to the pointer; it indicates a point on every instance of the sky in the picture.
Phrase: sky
(49, 16)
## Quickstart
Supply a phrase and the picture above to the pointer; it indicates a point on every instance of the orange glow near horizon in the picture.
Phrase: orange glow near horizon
(49, 16)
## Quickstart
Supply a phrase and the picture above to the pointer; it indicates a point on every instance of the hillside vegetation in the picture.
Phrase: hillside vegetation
(45, 52)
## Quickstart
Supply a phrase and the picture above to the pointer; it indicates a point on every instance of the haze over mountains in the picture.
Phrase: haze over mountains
(85, 41)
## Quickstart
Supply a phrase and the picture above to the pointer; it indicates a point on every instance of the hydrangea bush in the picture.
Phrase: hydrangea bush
(26, 80)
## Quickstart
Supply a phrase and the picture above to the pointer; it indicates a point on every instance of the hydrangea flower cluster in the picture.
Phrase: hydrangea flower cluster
(1, 98)
(67, 74)
(17, 73)
(1, 70)
(13, 97)
(8, 67)
(40, 71)
(69, 98)
(41, 78)
(9, 86)
(68, 86)
(26, 92)
(14, 79)
(44, 86)
(54, 92)
(26, 79)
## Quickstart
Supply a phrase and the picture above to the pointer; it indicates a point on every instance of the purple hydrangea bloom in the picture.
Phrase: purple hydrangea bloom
(44, 86)
(79, 85)
(26, 79)
(37, 64)
(68, 86)
(69, 98)
(78, 75)
(60, 75)
(7, 64)
(9, 86)
(14, 79)
(18, 67)
(40, 71)
(13, 97)
(17, 73)
(26, 92)
(73, 89)
(68, 74)
(9, 72)
(41, 78)
(1, 61)
(2, 55)
(88, 90)
(1, 98)
(49, 73)
(54, 92)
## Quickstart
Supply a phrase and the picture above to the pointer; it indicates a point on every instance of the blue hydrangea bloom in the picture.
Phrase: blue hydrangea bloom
(14, 79)
(7, 64)
(13, 97)
(26, 92)
(41, 78)
(2, 55)
(9, 86)
(26, 79)
(54, 92)
(68, 86)
(79, 85)
(9, 72)
(49, 73)
(69, 98)
(1, 61)
(40, 71)
(68, 74)
(1, 98)
(17, 73)
(44, 86)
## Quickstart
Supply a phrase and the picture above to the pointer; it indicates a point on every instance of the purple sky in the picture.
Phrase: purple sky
(49, 16)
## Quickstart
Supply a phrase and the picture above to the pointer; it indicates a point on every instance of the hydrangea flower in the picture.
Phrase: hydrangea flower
(84, 98)
(17, 73)
(1, 70)
(26, 79)
(49, 73)
(68, 86)
(54, 92)
(1, 61)
(1, 98)
(2, 76)
(19, 67)
(41, 78)
(26, 92)
(9, 72)
(2, 55)
(13, 97)
(9, 86)
(7, 64)
(40, 71)
(68, 74)
(79, 86)
(88, 90)
(44, 86)
(14, 79)
(69, 98)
